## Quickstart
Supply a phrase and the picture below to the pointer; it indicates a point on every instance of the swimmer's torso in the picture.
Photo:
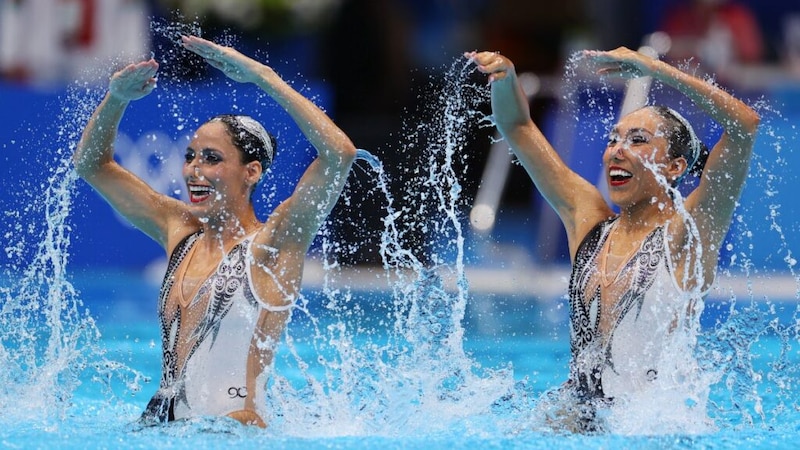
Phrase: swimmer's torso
(214, 352)
(620, 321)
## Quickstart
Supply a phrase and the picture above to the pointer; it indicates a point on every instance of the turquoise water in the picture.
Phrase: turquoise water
(533, 348)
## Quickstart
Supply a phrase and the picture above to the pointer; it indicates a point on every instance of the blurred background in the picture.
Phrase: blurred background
(369, 64)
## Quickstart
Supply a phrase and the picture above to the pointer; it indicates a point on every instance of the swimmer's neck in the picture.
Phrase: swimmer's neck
(648, 216)
(228, 228)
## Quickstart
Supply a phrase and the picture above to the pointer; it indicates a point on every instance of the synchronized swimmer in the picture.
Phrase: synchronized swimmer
(231, 279)
(637, 275)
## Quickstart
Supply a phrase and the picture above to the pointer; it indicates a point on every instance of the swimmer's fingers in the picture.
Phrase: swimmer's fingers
(622, 62)
(202, 47)
(492, 63)
(228, 60)
(621, 70)
(134, 81)
(216, 55)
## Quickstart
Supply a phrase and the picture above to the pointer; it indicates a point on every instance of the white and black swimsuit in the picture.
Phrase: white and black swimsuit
(213, 375)
(628, 357)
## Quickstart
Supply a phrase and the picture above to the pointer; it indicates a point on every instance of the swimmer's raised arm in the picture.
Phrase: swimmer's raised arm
(578, 203)
(713, 202)
(319, 187)
(94, 156)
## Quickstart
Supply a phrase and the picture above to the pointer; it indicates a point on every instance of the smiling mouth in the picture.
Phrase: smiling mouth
(198, 193)
(618, 177)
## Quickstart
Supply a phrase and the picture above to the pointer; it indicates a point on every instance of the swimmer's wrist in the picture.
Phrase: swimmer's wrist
(267, 79)
(266, 73)
(116, 99)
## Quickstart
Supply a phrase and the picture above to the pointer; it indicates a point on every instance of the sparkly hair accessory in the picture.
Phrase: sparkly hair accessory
(695, 146)
(256, 129)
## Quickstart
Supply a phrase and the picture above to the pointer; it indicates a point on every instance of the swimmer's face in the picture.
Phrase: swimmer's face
(636, 159)
(216, 178)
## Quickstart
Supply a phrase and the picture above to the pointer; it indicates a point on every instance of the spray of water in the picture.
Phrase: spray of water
(49, 341)
(409, 373)
(756, 383)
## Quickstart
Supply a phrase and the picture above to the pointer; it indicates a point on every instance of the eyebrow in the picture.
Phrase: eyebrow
(615, 130)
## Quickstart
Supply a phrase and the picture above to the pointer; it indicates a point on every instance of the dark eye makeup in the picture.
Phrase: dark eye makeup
(207, 156)
(634, 137)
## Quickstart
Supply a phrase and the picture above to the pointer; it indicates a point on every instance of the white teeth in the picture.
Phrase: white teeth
(619, 173)
(200, 189)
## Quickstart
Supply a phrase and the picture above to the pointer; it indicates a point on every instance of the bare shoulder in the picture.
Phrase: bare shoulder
(270, 244)
(266, 236)
(277, 265)
(686, 236)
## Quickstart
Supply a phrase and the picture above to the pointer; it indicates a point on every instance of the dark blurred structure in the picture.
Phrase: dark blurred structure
(716, 35)
(384, 59)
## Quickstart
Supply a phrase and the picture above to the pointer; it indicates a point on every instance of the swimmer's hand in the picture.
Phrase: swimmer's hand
(233, 64)
(493, 63)
(134, 81)
(621, 62)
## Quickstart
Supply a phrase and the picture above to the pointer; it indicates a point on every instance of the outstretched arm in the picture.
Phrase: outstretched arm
(577, 202)
(319, 187)
(94, 157)
(713, 202)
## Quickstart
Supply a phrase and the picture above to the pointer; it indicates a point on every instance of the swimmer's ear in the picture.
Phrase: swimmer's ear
(677, 167)
(254, 172)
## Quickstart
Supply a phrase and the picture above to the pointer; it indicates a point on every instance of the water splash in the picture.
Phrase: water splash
(407, 373)
(49, 343)
(46, 339)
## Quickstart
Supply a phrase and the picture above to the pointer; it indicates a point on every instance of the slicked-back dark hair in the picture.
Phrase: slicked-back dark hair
(255, 145)
(683, 141)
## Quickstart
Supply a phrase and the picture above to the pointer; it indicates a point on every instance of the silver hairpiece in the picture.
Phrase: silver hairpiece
(695, 143)
(256, 129)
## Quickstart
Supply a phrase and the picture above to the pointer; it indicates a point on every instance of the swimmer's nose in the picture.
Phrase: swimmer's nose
(197, 173)
(193, 168)
(616, 150)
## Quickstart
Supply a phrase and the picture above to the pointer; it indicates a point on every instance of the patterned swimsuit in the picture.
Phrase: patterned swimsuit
(628, 357)
(212, 377)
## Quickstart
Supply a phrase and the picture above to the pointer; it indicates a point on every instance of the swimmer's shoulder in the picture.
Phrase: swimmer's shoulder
(178, 231)
(584, 226)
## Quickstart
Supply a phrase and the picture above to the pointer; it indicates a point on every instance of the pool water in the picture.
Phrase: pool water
(525, 357)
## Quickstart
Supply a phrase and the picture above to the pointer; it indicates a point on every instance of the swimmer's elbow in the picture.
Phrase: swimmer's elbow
(88, 166)
(349, 154)
(83, 166)
(748, 122)
(756, 121)
(751, 121)
(515, 124)
(344, 156)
